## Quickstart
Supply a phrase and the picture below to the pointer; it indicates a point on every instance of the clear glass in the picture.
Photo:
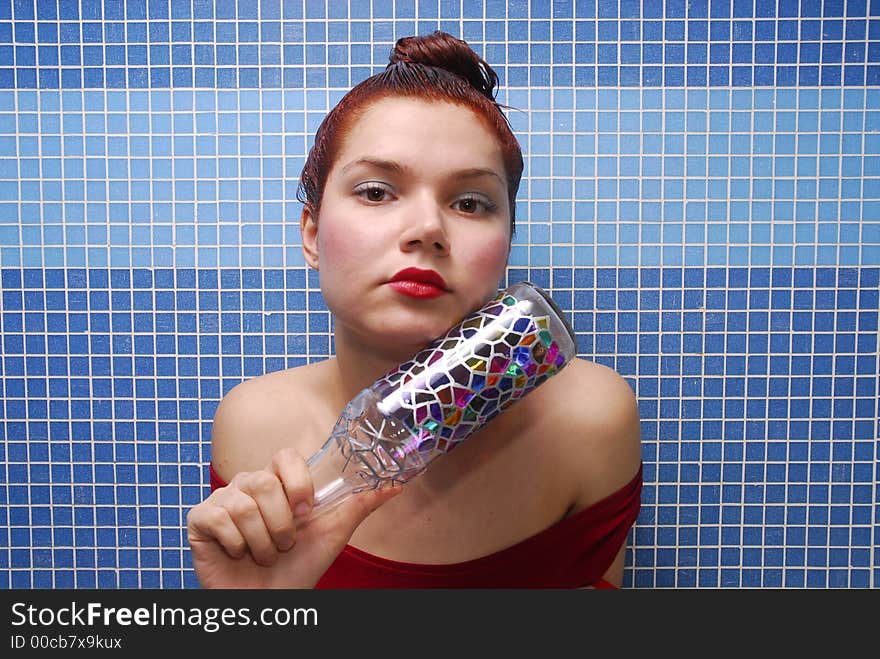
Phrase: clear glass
(391, 431)
(365, 451)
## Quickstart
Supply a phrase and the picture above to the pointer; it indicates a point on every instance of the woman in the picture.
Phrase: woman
(408, 216)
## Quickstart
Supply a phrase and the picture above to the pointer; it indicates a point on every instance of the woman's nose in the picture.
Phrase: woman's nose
(425, 229)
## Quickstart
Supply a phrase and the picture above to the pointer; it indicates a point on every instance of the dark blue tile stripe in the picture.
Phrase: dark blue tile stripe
(758, 390)
(271, 44)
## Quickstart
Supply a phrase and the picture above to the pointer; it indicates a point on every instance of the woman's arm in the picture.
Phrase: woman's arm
(603, 439)
(256, 531)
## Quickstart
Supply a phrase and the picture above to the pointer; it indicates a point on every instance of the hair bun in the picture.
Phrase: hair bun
(443, 51)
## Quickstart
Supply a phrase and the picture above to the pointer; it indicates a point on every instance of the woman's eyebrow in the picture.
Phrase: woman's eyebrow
(476, 172)
(396, 168)
(378, 163)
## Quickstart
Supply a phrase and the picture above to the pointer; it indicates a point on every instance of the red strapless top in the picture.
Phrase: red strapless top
(574, 552)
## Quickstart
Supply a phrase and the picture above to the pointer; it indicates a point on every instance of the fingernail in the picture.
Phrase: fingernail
(302, 509)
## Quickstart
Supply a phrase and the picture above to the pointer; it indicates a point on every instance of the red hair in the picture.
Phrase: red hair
(434, 67)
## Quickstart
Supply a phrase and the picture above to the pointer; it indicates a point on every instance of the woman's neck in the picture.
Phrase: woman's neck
(358, 364)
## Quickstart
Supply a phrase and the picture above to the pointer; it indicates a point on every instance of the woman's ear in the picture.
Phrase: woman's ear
(308, 225)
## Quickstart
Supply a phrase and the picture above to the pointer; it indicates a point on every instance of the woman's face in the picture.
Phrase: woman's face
(416, 184)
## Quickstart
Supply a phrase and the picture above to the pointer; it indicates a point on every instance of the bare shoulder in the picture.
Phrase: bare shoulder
(260, 416)
(599, 426)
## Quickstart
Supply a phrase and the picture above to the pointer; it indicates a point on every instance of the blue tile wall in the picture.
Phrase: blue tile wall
(700, 196)
(97, 45)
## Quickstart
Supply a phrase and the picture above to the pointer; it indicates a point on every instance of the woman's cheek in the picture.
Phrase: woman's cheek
(338, 246)
(490, 255)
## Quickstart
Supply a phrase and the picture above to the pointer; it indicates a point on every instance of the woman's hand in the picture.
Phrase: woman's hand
(256, 531)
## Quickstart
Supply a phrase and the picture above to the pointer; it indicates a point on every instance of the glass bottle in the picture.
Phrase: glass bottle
(391, 431)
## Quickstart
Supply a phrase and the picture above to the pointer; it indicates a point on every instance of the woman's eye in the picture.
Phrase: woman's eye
(372, 192)
(473, 205)
(468, 205)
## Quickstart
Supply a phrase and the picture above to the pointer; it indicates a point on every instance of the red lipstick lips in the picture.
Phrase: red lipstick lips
(418, 283)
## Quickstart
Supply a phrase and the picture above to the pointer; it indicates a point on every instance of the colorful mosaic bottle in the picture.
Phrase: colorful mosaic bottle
(427, 406)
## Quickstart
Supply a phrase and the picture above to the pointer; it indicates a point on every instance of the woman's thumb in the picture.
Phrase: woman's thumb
(361, 505)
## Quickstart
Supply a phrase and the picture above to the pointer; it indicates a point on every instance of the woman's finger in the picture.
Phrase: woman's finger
(266, 490)
(293, 472)
(248, 518)
(212, 523)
